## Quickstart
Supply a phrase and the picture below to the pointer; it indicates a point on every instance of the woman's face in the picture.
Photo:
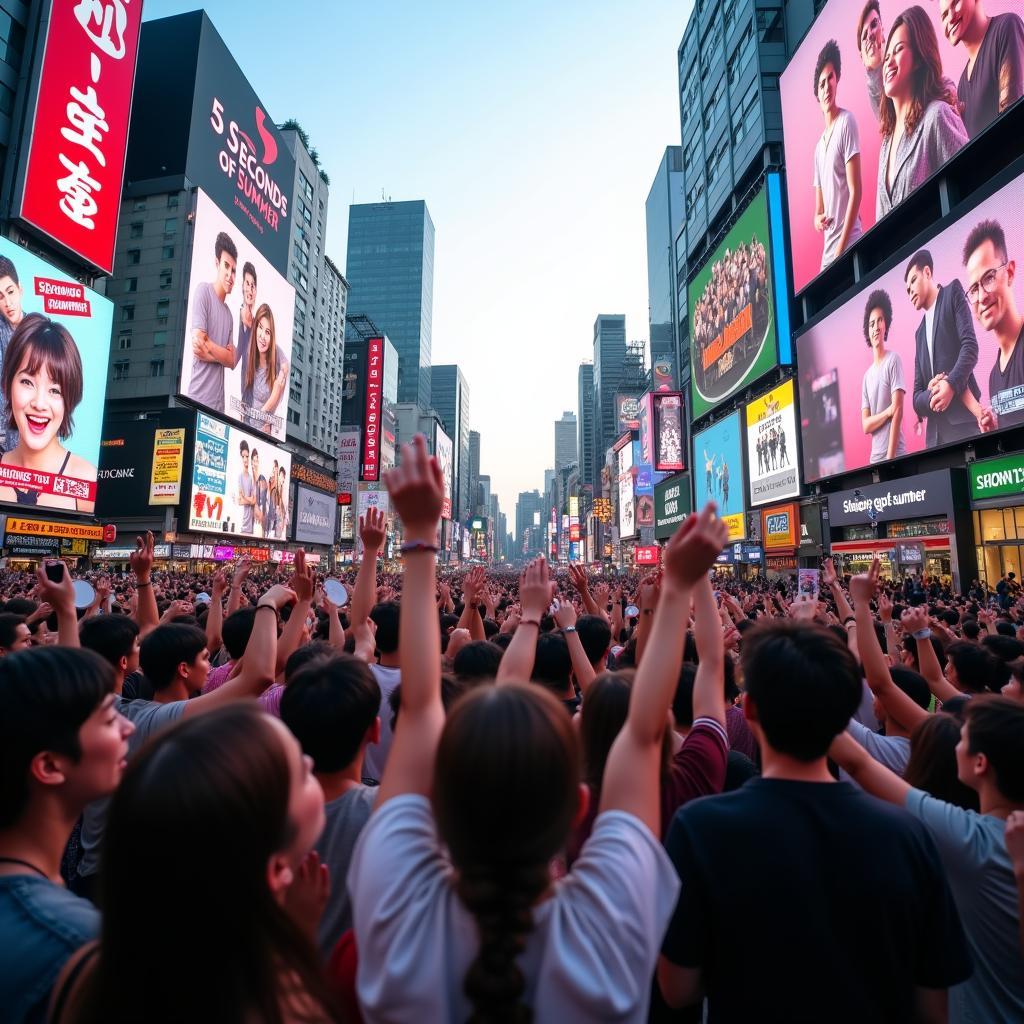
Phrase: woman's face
(37, 405)
(103, 739)
(263, 336)
(899, 65)
(305, 800)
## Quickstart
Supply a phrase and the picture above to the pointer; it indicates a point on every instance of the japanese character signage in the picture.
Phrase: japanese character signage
(71, 190)
(374, 397)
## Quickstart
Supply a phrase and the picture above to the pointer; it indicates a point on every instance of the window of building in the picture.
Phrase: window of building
(170, 226)
(163, 308)
(156, 368)
(135, 229)
(121, 369)
(165, 279)
(172, 201)
(139, 205)
(12, 41)
(299, 351)
(167, 253)
(295, 393)
(131, 284)
(127, 314)
(294, 416)
(134, 256)
(124, 340)
(769, 25)
(159, 339)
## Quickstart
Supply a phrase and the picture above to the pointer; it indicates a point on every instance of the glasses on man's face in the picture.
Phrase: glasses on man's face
(987, 284)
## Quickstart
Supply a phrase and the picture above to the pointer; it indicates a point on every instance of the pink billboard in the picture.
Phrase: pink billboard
(929, 354)
(876, 99)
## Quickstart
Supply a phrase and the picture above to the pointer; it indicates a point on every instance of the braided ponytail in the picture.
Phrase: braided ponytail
(501, 901)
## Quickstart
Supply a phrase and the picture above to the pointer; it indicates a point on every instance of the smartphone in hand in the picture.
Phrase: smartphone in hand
(55, 572)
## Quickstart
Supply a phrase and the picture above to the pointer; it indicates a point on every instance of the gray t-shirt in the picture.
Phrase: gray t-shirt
(892, 751)
(148, 717)
(973, 851)
(376, 755)
(875, 90)
(881, 381)
(246, 487)
(213, 316)
(345, 818)
(830, 160)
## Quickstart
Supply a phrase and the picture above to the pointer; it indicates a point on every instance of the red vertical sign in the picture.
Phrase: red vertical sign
(374, 397)
(79, 129)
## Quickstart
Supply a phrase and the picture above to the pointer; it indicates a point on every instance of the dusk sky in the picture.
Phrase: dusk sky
(533, 132)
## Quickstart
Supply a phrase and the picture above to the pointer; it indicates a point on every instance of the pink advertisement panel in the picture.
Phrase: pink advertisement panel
(901, 75)
(911, 361)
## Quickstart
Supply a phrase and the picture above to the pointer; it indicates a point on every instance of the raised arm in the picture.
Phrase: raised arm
(141, 562)
(871, 775)
(215, 613)
(885, 614)
(709, 683)
(416, 487)
(631, 778)
(470, 619)
(915, 624)
(565, 617)
(1015, 848)
(829, 578)
(535, 593)
(647, 599)
(578, 578)
(291, 636)
(61, 598)
(237, 579)
(371, 533)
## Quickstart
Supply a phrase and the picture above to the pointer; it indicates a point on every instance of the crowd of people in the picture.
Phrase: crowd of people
(494, 797)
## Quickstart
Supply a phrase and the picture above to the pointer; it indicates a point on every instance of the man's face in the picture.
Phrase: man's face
(10, 300)
(248, 289)
(919, 286)
(828, 84)
(956, 17)
(198, 671)
(989, 285)
(226, 272)
(22, 639)
(872, 41)
(876, 328)
(245, 461)
(965, 759)
(255, 462)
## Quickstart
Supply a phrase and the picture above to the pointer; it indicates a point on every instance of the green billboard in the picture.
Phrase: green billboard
(732, 313)
(997, 478)
(671, 505)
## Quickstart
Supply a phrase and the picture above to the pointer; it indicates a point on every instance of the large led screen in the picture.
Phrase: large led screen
(54, 347)
(444, 452)
(718, 472)
(911, 361)
(315, 514)
(627, 497)
(771, 446)
(238, 339)
(732, 312)
(856, 67)
(240, 482)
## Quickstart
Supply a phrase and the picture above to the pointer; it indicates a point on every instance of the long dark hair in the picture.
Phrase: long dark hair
(199, 813)
(927, 74)
(603, 717)
(505, 794)
(932, 764)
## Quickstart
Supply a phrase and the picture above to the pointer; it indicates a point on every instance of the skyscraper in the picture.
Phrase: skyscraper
(449, 397)
(664, 219)
(585, 419)
(474, 473)
(390, 271)
(565, 440)
(609, 362)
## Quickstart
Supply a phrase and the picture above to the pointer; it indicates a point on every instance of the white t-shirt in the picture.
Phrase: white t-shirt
(929, 333)
(590, 956)
(830, 162)
(881, 382)
(376, 755)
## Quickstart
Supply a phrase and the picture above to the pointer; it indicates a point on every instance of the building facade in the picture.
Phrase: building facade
(450, 399)
(585, 421)
(609, 366)
(565, 440)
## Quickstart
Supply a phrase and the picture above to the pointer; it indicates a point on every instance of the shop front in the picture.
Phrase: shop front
(780, 538)
(27, 542)
(997, 510)
(920, 525)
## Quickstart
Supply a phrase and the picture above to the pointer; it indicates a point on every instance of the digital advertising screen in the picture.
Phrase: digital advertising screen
(733, 339)
(237, 349)
(718, 472)
(840, 103)
(315, 514)
(54, 348)
(924, 356)
(772, 445)
(443, 451)
(627, 501)
(668, 432)
(240, 482)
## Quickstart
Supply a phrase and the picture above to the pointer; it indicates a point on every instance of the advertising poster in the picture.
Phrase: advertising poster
(627, 412)
(667, 432)
(240, 482)
(372, 412)
(732, 312)
(873, 389)
(839, 110)
(780, 527)
(314, 516)
(74, 167)
(237, 349)
(443, 451)
(718, 472)
(168, 460)
(348, 460)
(50, 418)
(771, 446)
(627, 509)
(237, 155)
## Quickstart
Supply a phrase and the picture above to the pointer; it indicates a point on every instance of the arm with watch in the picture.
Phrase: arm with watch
(843, 609)
(565, 617)
(141, 561)
(647, 599)
(915, 624)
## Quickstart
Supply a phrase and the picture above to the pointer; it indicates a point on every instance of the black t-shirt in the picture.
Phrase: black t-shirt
(1006, 387)
(810, 902)
(1003, 46)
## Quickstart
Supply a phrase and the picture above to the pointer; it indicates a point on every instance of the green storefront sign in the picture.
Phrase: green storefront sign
(998, 478)
(671, 505)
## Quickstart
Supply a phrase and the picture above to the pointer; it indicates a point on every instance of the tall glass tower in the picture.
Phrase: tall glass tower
(390, 270)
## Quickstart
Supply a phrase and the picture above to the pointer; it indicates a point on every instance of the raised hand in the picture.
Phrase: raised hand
(601, 594)
(914, 620)
(141, 559)
(303, 578)
(241, 571)
(694, 547)
(306, 897)
(864, 585)
(648, 592)
(828, 573)
(535, 589)
(563, 613)
(884, 607)
(60, 596)
(278, 596)
(220, 584)
(578, 577)
(373, 529)
(416, 487)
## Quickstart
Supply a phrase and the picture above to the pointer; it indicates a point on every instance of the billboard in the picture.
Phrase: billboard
(70, 185)
(314, 516)
(667, 432)
(718, 472)
(348, 461)
(771, 445)
(671, 505)
(237, 349)
(168, 463)
(372, 414)
(627, 413)
(627, 509)
(233, 489)
(54, 346)
(875, 387)
(838, 120)
(443, 451)
(237, 156)
(780, 526)
(733, 337)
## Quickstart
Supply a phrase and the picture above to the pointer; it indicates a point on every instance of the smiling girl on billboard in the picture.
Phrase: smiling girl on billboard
(42, 382)
(266, 373)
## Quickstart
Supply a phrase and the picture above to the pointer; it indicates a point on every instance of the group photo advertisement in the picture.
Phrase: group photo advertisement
(237, 349)
(877, 98)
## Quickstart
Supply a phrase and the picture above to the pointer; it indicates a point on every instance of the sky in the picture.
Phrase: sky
(532, 130)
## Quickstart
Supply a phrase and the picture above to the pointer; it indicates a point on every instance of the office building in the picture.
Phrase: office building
(449, 397)
(609, 367)
(585, 422)
(475, 501)
(390, 271)
(530, 519)
(565, 440)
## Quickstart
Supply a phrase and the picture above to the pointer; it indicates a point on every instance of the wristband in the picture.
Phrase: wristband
(849, 619)
(530, 622)
(139, 586)
(922, 634)
(270, 606)
(418, 545)
(569, 629)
